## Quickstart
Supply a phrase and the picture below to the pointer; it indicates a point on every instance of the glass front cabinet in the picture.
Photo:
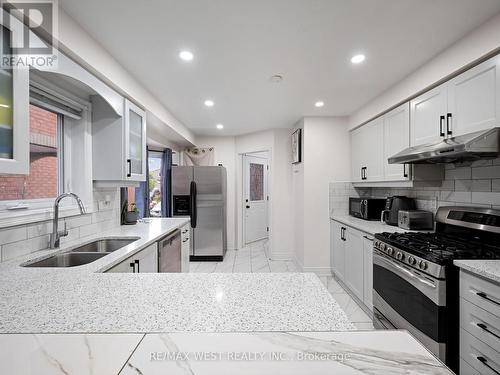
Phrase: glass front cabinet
(135, 142)
(14, 115)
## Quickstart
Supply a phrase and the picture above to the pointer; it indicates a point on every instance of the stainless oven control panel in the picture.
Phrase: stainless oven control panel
(414, 261)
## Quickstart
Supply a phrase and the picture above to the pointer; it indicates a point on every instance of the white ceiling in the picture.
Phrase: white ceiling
(239, 44)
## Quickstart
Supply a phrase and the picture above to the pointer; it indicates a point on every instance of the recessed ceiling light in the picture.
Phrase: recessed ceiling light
(209, 103)
(357, 59)
(186, 55)
(219, 126)
(277, 78)
(319, 104)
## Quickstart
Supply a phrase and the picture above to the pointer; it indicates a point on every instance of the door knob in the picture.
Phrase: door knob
(248, 206)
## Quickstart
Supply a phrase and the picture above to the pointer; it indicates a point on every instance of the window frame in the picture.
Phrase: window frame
(42, 209)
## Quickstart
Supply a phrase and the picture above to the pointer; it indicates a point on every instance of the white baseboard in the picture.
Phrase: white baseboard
(280, 255)
(319, 271)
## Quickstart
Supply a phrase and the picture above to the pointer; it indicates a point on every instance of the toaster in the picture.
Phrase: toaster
(415, 220)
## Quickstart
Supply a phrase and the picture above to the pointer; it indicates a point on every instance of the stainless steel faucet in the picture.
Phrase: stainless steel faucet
(56, 235)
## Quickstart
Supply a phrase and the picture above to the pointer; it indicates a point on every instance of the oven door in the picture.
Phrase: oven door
(405, 298)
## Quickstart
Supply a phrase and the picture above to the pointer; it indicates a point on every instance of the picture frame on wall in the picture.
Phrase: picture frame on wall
(297, 146)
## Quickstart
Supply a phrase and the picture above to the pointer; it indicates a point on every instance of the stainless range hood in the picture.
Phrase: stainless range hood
(474, 146)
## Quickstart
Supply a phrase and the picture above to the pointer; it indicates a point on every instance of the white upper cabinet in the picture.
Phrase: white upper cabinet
(468, 103)
(428, 116)
(367, 152)
(118, 143)
(135, 142)
(373, 150)
(14, 117)
(356, 162)
(474, 99)
(396, 139)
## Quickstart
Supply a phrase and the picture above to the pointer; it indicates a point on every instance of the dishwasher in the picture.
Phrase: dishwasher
(169, 253)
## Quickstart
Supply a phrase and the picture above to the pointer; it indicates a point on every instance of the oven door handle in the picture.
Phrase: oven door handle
(406, 272)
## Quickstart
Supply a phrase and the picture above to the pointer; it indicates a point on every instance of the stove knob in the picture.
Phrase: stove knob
(383, 246)
(400, 255)
(376, 244)
(412, 261)
(423, 265)
(390, 251)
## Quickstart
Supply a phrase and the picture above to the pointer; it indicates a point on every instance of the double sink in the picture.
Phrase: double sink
(84, 254)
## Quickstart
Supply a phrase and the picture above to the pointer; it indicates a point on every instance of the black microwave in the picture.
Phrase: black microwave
(366, 208)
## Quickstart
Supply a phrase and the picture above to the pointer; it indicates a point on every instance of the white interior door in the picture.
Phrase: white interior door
(255, 198)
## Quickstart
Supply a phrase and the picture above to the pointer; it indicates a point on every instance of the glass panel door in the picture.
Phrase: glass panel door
(135, 142)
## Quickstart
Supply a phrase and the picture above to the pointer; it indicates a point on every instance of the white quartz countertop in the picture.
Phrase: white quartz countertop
(489, 269)
(367, 226)
(85, 300)
(346, 353)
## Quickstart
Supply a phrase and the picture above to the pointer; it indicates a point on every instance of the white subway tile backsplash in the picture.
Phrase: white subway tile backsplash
(14, 234)
(495, 185)
(490, 198)
(486, 172)
(16, 249)
(481, 185)
(458, 174)
(456, 196)
(39, 229)
(465, 184)
(25, 239)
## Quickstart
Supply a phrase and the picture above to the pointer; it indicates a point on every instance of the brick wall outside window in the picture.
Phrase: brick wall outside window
(42, 179)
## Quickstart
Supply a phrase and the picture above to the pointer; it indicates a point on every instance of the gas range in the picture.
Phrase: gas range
(431, 252)
(415, 284)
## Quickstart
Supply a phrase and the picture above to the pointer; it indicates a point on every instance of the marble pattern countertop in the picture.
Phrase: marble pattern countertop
(367, 226)
(85, 300)
(347, 353)
(489, 269)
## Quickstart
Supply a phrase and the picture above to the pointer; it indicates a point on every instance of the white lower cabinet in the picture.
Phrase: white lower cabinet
(354, 262)
(479, 325)
(145, 261)
(368, 271)
(185, 247)
(351, 260)
(337, 251)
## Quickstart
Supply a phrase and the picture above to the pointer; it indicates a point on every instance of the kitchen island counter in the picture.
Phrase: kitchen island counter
(346, 353)
(85, 300)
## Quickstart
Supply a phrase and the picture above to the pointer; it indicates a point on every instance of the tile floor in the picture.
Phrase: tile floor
(253, 258)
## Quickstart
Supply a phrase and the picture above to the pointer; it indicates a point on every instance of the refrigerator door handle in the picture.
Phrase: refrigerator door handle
(194, 213)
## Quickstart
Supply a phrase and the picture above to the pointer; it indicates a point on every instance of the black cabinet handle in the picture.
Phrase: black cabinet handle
(441, 126)
(129, 173)
(133, 266)
(137, 262)
(405, 174)
(342, 233)
(484, 361)
(363, 173)
(485, 296)
(448, 124)
(484, 327)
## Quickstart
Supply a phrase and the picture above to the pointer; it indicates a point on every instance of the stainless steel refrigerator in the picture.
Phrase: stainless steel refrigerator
(200, 193)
